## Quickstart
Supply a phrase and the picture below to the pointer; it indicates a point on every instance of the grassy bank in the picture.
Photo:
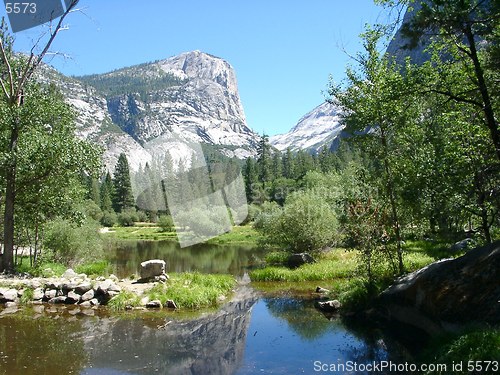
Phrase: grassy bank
(187, 290)
(339, 271)
(238, 235)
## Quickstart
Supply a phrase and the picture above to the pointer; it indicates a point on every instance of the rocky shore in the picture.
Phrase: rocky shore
(79, 289)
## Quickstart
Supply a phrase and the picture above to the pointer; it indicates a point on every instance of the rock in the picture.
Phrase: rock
(321, 290)
(113, 278)
(297, 260)
(74, 297)
(8, 295)
(69, 273)
(88, 295)
(329, 306)
(67, 286)
(9, 310)
(151, 268)
(145, 300)
(86, 304)
(154, 304)
(171, 304)
(461, 245)
(447, 294)
(50, 293)
(106, 286)
(10, 304)
(58, 300)
(94, 302)
(83, 288)
(38, 294)
(162, 278)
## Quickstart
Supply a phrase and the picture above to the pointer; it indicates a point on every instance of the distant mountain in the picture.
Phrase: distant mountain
(321, 126)
(191, 97)
(313, 131)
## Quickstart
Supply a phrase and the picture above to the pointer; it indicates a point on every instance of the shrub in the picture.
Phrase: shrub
(128, 217)
(72, 244)
(109, 218)
(306, 223)
(166, 223)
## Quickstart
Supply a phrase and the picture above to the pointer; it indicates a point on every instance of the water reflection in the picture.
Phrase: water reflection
(279, 335)
(205, 258)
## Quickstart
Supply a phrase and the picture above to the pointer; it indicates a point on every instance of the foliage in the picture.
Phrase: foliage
(305, 223)
(476, 348)
(127, 217)
(123, 300)
(123, 198)
(336, 264)
(193, 290)
(166, 223)
(71, 243)
(95, 268)
(109, 218)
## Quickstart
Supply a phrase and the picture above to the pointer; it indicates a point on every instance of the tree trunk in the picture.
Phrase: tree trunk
(392, 201)
(483, 89)
(10, 197)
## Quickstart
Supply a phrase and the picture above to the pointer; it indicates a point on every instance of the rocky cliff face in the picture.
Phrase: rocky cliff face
(193, 96)
(314, 130)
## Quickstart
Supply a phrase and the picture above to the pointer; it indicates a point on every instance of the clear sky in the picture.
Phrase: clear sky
(283, 51)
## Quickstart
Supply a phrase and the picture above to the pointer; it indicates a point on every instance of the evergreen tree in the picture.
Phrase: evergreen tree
(264, 159)
(277, 166)
(107, 194)
(288, 164)
(123, 197)
(251, 177)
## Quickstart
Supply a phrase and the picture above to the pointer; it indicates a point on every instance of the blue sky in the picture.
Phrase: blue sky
(283, 51)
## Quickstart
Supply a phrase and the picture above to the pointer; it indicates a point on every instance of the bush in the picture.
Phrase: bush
(306, 223)
(72, 244)
(128, 217)
(109, 218)
(166, 223)
(100, 268)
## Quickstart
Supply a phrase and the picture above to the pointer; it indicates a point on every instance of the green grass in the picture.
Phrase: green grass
(46, 269)
(193, 290)
(477, 346)
(335, 264)
(238, 235)
(99, 268)
(244, 234)
(140, 233)
(124, 299)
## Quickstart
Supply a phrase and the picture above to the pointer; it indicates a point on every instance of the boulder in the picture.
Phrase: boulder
(74, 297)
(8, 295)
(299, 259)
(58, 300)
(447, 294)
(88, 295)
(50, 293)
(69, 273)
(462, 245)
(171, 304)
(329, 306)
(321, 290)
(83, 288)
(154, 304)
(38, 294)
(151, 268)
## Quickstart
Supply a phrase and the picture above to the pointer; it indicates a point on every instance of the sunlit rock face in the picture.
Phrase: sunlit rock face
(192, 96)
(449, 293)
(211, 344)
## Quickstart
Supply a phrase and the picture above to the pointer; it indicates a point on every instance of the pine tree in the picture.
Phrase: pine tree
(107, 194)
(123, 197)
(264, 159)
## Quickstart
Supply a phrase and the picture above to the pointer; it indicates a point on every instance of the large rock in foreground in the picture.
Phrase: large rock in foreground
(447, 294)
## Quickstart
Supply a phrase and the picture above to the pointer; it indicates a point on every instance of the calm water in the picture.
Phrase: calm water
(252, 334)
(229, 259)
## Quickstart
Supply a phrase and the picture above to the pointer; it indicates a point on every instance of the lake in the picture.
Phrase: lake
(235, 260)
(254, 333)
